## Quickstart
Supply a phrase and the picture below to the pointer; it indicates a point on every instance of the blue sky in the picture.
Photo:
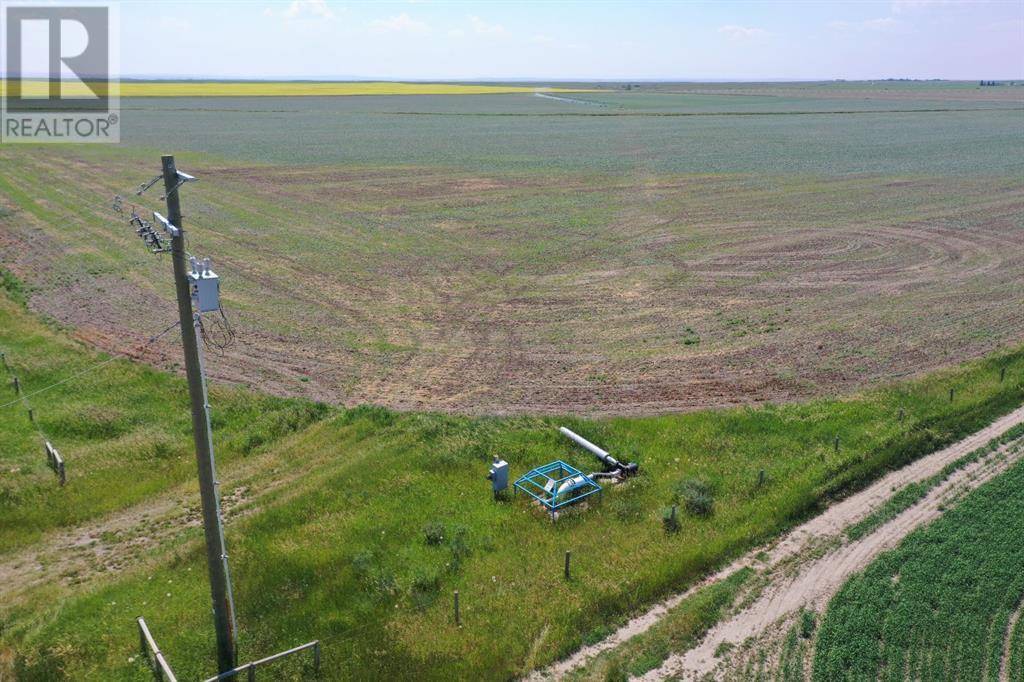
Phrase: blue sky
(593, 40)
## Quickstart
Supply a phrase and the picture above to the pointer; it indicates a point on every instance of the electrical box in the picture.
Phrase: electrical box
(498, 475)
(205, 286)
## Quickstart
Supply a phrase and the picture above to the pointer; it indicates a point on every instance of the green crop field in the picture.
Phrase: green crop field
(384, 514)
(676, 247)
(938, 607)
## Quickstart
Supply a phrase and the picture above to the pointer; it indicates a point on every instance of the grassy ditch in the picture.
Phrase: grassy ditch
(123, 429)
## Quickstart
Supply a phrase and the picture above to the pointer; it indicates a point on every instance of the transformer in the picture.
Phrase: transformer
(205, 286)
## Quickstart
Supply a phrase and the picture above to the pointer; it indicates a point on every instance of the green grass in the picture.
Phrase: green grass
(123, 430)
(937, 607)
(392, 513)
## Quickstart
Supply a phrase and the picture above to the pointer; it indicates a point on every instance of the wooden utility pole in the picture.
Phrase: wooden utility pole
(216, 552)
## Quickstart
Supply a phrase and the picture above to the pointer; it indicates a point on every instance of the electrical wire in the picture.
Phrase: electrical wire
(23, 398)
(221, 334)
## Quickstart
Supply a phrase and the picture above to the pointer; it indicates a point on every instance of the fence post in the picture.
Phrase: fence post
(568, 555)
(458, 621)
(1002, 374)
(252, 672)
(17, 386)
(316, 659)
(837, 445)
(760, 478)
(60, 473)
(31, 417)
(142, 638)
(950, 395)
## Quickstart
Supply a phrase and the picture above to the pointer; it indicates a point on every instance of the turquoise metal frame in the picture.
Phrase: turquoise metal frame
(545, 483)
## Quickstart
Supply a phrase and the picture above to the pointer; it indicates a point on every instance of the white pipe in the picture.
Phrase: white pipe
(583, 442)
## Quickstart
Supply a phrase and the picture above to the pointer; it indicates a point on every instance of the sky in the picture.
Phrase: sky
(425, 40)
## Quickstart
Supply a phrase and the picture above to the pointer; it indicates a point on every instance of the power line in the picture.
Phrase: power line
(24, 396)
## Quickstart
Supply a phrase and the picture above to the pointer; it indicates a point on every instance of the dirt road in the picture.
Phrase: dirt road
(814, 582)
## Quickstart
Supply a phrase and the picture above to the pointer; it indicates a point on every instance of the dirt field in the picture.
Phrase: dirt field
(599, 265)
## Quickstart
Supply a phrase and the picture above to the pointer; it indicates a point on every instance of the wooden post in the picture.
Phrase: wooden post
(31, 417)
(316, 659)
(458, 621)
(17, 386)
(568, 555)
(760, 478)
(837, 445)
(1002, 374)
(252, 673)
(950, 395)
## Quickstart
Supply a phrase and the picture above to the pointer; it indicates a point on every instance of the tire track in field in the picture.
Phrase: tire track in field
(813, 585)
(1004, 659)
(831, 522)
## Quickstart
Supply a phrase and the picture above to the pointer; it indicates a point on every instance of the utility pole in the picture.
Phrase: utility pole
(216, 552)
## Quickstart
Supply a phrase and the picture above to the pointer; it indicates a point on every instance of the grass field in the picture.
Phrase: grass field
(938, 607)
(341, 552)
(124, 430)
(519, 254)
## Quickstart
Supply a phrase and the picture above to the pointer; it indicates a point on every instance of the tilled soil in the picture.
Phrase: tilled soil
(440, 290)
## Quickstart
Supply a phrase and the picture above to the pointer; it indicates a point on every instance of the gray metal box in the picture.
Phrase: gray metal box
(206, 290)
(498, 475)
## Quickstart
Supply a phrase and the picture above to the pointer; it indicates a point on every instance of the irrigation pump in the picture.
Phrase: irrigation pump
(612, 466)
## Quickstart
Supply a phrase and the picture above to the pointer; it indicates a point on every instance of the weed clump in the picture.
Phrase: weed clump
(696, 495)
(670, 520)
(433, 533)
(426, 583)
(807, 624)
(458, 541)
(377, 581)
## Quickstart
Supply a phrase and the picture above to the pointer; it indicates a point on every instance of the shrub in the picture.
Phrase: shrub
(696, 495)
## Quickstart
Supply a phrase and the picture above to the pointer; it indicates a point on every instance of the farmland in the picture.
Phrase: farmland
(672, 247)
(940, 605)
(367, 580)
(769, 295)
